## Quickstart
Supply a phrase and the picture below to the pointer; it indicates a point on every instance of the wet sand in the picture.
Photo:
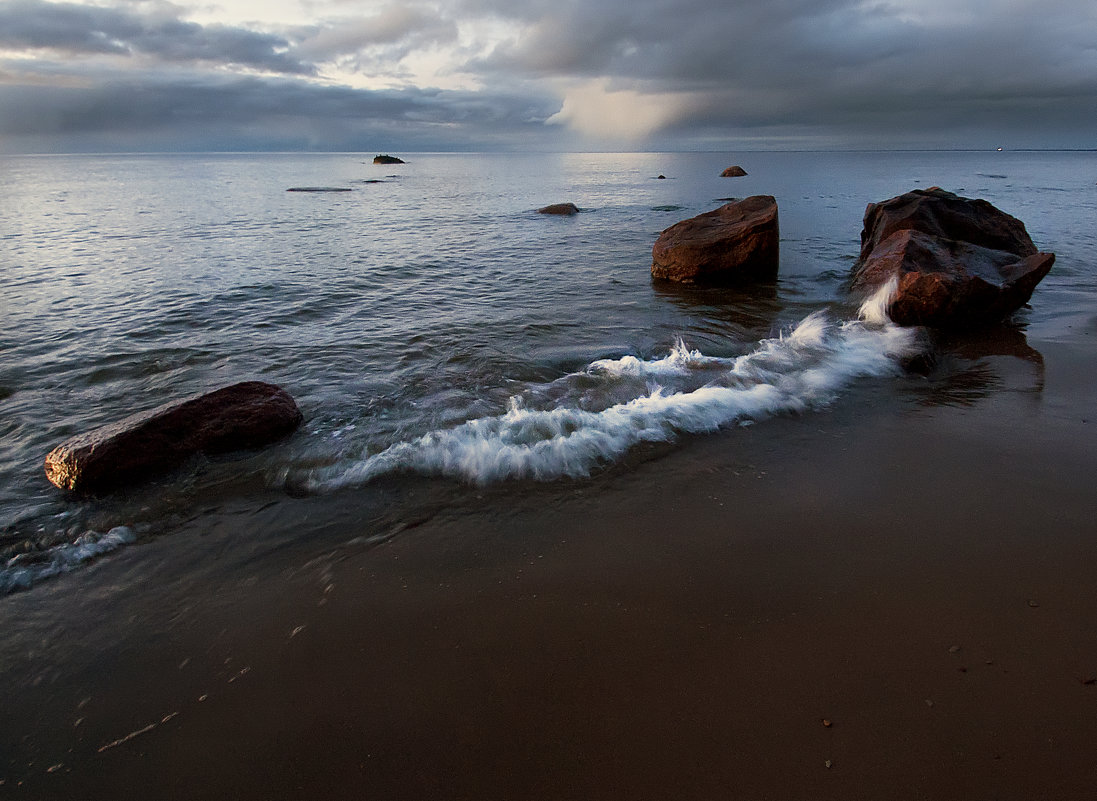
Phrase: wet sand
(892, 599)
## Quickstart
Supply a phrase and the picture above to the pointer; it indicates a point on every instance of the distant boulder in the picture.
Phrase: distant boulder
(737, 243)
(239, 417)
(387, 160)
(733, 172)
(661, 177)
(956, 262)
(559, 208)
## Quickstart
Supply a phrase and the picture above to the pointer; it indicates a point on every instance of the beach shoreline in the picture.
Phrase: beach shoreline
(914, 571)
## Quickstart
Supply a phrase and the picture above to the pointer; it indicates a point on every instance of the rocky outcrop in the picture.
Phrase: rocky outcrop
(387, 160)
(955, 262)
(239, 417)
(559, 208)
(736, 243)
(733, 172)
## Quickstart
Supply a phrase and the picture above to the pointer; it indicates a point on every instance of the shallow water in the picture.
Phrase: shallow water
(430, 321)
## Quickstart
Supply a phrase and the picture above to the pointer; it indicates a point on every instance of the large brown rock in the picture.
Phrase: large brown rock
(956, 261)
(238, 417)
(736, 243)
(733, 172)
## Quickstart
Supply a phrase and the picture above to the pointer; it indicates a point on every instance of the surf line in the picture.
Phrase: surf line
(684, 392)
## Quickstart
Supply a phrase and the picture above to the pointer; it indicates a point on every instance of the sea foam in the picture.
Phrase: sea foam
(23, 571)
(684, 392)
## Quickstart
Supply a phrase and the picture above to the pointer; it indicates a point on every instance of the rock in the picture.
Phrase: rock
(387, 160)
(661, 177)
(956, 262)
(733, 172)
(736, 243)
(238, 417)
(559, 208)
(319, 189)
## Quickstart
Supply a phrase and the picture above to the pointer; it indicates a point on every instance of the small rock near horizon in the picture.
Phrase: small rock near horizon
(559, 208)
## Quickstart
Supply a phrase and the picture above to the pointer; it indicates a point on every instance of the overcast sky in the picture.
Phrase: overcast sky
(151, 75)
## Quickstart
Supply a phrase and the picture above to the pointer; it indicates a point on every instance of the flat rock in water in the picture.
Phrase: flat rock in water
(956, 262)
(387, 160)
(559, 208)
(733, 172)
(318, 189)
(737, 243)
(243, 416)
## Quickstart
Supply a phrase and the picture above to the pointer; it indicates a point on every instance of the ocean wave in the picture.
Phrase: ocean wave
(802, 369)
(22, 571)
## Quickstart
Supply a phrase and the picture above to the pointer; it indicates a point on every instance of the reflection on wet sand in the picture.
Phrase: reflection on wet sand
(970, 366)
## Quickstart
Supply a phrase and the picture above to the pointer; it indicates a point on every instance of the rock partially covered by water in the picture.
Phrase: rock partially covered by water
(387, 160)
(955, 261)
(733, 172)
(238, 417)
(736, 243)
(559, 208)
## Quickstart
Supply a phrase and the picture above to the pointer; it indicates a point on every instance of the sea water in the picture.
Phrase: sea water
(429, 322)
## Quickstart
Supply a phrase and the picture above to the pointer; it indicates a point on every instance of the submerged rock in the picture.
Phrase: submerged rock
(238, 417)
(955, 261)
(733, 172)
(559, 208)
(319, 189)
(387, 160)
(736, 243)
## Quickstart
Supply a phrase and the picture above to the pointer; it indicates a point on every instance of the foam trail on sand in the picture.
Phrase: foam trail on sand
(800, 370)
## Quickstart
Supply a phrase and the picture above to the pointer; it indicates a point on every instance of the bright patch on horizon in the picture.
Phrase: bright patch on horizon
(594, 109)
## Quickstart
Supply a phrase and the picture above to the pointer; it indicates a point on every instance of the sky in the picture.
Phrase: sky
(545, 75)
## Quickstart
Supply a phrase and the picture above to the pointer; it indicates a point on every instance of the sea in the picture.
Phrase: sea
(441, 337)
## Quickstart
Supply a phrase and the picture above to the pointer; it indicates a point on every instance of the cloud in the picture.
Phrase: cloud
(858, 66)
(398, 26)
(622, 73)
(73, 29)
(597, 110)
(197, 111)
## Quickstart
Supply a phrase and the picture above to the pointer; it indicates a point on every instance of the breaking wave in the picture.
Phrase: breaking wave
(588, 423)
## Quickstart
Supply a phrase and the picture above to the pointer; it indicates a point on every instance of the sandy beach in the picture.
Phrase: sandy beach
(892, 598)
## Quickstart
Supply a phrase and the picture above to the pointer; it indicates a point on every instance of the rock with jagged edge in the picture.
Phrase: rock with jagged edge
(955, 262)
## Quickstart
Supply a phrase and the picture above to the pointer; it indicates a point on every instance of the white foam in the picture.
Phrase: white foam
(802, 369)
(680, 361)
(25, 570)
(875, 308)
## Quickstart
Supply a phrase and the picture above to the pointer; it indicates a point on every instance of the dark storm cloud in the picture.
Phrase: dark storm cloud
(633, 73)
(196, 112)
(85, 30)
(861, 66)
